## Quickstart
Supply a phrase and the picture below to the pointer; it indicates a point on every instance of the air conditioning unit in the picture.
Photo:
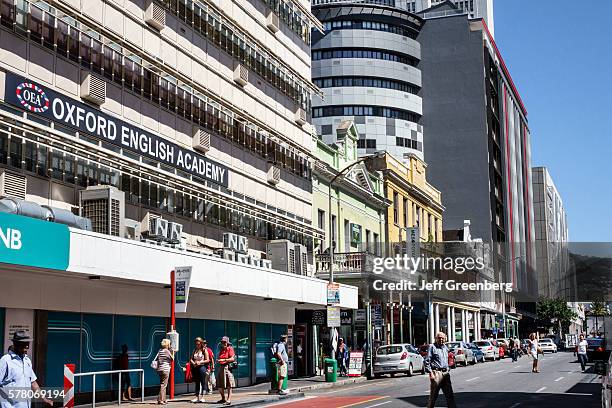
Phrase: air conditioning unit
(272, 21)
(241, 75)
(201, 140)
(235, 242)
(132, 229)
(301, 260)
(147, 224)
(281, 252)
(155, 15)
(158, 229)
(13, 185)
(93, 89)
(105, 207)
(226, 254)
(274, 175)
(300, 116)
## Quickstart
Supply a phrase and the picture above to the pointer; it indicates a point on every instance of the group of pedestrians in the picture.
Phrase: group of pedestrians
(202, 366)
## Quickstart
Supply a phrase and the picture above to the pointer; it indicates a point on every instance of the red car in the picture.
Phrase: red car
(451, 356)
(501, 347)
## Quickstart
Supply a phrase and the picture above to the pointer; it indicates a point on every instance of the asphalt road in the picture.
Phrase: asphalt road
(503, 384)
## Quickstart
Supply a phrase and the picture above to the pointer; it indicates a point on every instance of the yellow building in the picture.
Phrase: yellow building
(415, 202)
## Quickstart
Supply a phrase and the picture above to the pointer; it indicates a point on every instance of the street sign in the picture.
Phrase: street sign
(377, 317)
(183, 277)
(333, 294)
(355, 363)
(360, 318)
(412, 242)
(333, 316)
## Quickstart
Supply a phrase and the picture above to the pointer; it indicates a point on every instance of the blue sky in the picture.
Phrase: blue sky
(560, 57)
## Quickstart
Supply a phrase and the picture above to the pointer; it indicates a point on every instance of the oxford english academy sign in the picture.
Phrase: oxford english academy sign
(35, 98)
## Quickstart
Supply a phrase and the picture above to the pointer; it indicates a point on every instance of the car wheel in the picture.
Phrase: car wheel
(392, 374)
(377, 375)
(410, 372)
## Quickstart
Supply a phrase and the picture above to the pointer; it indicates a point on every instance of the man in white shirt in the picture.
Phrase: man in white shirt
(582, 352)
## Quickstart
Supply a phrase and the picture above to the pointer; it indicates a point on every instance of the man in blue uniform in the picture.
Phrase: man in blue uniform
(16, 372)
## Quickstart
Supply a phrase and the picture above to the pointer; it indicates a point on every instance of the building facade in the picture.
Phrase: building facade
(366, 63)
(474, 8)
(488, 178)
(551, 234)
(192, 113)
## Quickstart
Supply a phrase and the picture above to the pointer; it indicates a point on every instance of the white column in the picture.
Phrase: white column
(431, 323)
(463, 324)
(467, 325)
(448, 323)
(477, 325)
(452, 324)
(436, 318)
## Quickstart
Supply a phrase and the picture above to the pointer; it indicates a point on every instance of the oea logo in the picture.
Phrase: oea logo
(32, 97)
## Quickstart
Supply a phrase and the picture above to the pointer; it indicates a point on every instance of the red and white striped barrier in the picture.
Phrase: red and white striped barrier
(69, 385)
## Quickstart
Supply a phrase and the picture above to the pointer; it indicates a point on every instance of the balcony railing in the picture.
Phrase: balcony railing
(347, 262)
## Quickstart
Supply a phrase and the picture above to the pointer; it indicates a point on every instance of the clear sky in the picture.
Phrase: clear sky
(559, 53)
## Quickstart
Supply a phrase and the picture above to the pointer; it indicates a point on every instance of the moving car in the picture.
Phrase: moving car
(463, 353)
(397, 358)
(489, 350)
(478, 354)
(547, 344)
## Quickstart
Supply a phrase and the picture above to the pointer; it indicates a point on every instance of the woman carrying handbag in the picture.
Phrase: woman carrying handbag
(199, 362)
(161, 364)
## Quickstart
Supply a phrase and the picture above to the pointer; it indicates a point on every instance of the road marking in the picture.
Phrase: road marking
(515, 405)
(377, 405)
(497, 372)
(541, 389)
(362, 402)
(576, 393)
(559, 379)
(472, 379)
(351, 388)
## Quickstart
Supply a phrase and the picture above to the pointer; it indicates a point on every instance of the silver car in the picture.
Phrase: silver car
(463, 353)
(489, 350)
(398, 358)
(547, 344)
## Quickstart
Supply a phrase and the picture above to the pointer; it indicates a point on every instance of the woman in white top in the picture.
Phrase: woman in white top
(199, 363)
(533, 350)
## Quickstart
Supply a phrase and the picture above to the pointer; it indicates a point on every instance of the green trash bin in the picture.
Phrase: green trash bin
(274, 376)
(331, 370)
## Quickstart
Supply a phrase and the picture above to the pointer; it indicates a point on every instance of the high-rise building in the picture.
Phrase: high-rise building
(366, 64)
(196, 113)
(551, 235)
(474, 8)
(478, 141)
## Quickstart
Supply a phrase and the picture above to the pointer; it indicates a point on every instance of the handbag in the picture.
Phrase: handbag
(188, 373)
(155, 362)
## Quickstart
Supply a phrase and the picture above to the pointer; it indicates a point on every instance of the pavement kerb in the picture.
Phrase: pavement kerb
(324, 385)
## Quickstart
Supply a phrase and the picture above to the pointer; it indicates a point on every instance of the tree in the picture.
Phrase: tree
(598, 308)
(554, 313)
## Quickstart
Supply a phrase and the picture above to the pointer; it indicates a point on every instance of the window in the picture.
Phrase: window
(321, 219)
(333, 230)
(332, 53)
(417, 216)
(371, 143)
(368, 246)
(395, 208)
(371, 25)
(405, 211)
(376, 244)
(351, 110)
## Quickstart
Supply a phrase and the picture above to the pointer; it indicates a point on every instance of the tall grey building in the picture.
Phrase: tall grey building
(551, 234)
(366, 63)
(474, 8)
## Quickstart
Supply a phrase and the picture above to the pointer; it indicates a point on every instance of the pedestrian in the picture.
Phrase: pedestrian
(163, 361)
(436, 364)
(225, 378)
(210, 375)
(199, 361)
(534, 350)
(582, 352)
(341, 357)
(124, 364)
(16, 372)
(282, 361)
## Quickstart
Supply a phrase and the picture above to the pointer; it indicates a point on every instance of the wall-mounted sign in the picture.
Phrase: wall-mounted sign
(355, 234)
(413, 242)
(333, 316)
(32, 242)
(377, 316)
(318, 318)
(360, 318)
(26, 94)
(346, 317)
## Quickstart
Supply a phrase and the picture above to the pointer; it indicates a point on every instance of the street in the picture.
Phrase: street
(492, 384)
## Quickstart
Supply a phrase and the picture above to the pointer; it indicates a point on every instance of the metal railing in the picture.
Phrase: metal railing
(348, 262)
(110, 372)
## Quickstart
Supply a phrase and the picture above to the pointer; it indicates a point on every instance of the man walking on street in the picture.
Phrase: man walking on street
(436, 364)
(582, 352)
(282, 359)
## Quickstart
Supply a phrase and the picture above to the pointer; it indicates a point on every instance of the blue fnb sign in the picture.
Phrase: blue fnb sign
(30, 242)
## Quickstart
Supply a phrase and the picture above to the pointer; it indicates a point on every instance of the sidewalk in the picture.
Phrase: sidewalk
(255, 394)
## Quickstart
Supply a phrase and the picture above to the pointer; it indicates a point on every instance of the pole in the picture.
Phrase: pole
(369, 347)
(172, 326)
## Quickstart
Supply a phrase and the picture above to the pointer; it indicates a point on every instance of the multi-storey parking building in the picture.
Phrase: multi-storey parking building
(195, 112)
(367, 65)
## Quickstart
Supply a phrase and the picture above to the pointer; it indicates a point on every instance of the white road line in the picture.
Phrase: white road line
(541, 389)
(559, 379)
(576, 393)
(472, 379)
(377, 405)
(497, 372)
(515, 405)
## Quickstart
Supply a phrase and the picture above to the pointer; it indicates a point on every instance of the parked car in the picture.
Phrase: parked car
(489, 350)
(504, 346)
(423, 350)
(398, 358)
(547, 344)
(501, 349)
(463, 353)
(451, 360)
(478, 354)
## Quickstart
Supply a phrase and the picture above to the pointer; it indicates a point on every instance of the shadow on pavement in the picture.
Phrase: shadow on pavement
(508, 399)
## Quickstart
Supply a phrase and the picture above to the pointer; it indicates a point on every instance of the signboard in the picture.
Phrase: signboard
(355, 234)
(413, 242)
(377, 317)
(182, 275)
(360, 318)
(318, 318)
(355, 363)
(346, 317)
(290, 365)
(333, 294)
(31, 242)
(28, 95)
(333, 316)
